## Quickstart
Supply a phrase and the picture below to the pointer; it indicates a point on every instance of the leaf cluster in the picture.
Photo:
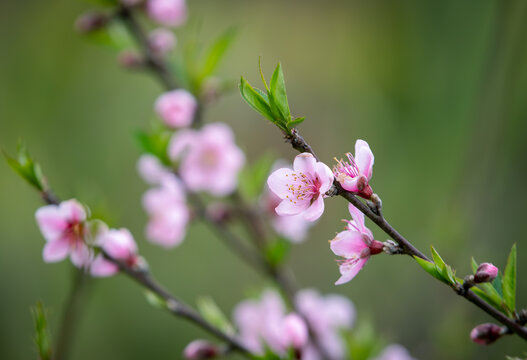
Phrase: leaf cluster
(24, 166)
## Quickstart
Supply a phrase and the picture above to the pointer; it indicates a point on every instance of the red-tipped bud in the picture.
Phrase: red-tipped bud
(486, 273)
(376, 247)
(486, 334)
(91, 21)
(201, 349)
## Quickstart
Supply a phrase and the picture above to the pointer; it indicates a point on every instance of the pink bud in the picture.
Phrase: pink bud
(90, 21)
(486, 334)
(161, 41)
(295, 332)
(200, 349)
(167, 12)
(176, 108)
(486, 272)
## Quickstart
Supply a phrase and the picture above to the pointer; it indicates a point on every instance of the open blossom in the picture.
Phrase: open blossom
(210, 160)
(176, 108)
(355, 245)
(301, 190)
(120, 245)
(264, 322)
(63, 226)
(167, 12)
(292, 227)
(327, 317)
(395, 352)
(168, 212)
(162, 41)
(355, 174)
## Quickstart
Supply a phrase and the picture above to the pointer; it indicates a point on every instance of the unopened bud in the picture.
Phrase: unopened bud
(129, 60)
(90, 21)
(294, 332)
(486, 334)
(486, 272)
(201, 349)
(161, 41)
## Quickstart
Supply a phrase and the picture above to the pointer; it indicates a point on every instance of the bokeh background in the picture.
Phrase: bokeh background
(437, 88)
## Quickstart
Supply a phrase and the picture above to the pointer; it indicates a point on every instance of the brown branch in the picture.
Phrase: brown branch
(301, 145)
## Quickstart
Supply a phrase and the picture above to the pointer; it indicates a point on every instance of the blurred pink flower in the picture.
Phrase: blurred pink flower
(293, 332)
(355, 174)
(168, 212)
(120, 245)
(356, 245)
(176, 108)
(151, 170)
(162, 41)
(302, 189)
(63, 227)
(201, 349)
(167, 12)
(327, 316)
(210, 158)
(395, 352)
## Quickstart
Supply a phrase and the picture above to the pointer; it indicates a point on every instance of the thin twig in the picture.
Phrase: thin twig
(299, 143)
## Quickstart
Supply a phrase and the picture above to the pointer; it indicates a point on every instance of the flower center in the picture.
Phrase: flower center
(301, 187)
(347, 168)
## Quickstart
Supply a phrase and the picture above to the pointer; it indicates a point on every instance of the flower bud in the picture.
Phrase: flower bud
(161, 41)
(167, 12)
(201, 349)
(129, 60)
(486, 334)
(90, 21)
(486, 272)
(295, 333)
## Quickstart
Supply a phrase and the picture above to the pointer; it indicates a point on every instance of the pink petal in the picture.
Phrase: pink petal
(340, 311)
(305, 163)
(51, 222)
(101, 267)
(81, 255)
(119, 244)
(350, 271)
(55, 250)
(364, 158)
(348, 244)
(316, 209)
(150, 169)
(278, 182)
(349, 183)
(288, 207)
(325, 175)
(180, 142)
(218, 132)
(357, 216)
(73, 211)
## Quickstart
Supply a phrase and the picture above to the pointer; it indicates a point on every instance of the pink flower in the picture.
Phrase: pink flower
(63, 227)
(355, 175)
(210, 158)
(302, 189)
(201, 349)
(176, 108)
(151, 170)
(356, 245)
(120, 245)
(394, 352)
(486, 273)
(168, 212)
(162, 41)
(293, 332)
(327, 316)
(293, 227)
(167, 12)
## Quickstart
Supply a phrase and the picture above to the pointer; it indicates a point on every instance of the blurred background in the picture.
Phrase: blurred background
(438, 89)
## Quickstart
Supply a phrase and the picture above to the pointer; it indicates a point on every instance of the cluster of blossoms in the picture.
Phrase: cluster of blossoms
(68, 232)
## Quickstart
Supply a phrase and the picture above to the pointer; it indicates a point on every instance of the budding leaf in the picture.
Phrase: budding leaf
(256, 99)
(278, 97)
(217, 51)
(474, 265)
(212, 313)
(509, 281)
(442, 268)
(277, 250)
(24, 166)
(155, 143)
(295, 122)
(155, 300)
(42, 338)
(430, 268)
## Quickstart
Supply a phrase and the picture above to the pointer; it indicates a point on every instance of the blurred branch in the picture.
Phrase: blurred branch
(299, 144)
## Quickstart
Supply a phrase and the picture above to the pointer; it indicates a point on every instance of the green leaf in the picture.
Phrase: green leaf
(24, 166)
(256, 100)
(277, 250)
(437, 260)
(509, 281)
(278, 96)
(445, 270)
(474, 265)
(430, 268)
(491, 298)
(155, 143)
(295, 122)
(217, 51)
(261, 73)
(497, 285)
(42, 338)
(254, 176)
(212, 313)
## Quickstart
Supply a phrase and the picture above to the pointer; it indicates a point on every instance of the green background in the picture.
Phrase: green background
(438, 89)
